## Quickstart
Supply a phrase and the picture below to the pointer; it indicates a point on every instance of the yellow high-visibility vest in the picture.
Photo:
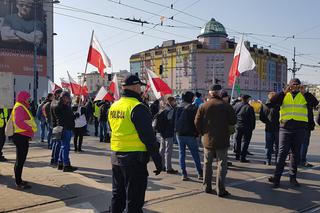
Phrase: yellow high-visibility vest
(294, 108)
(96, 111)
(124, 136)
(30, 122)
(3, 117)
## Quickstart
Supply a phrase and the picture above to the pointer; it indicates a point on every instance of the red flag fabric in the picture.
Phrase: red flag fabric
(52, 87)
(64, 84)
(97, 56)
(76, 87)
(158, 86)
(103, 94)
(242, 62)
(114, 88)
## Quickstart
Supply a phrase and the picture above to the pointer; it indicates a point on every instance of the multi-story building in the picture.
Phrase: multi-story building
(95, 81)
(195, 65)
(314, 89)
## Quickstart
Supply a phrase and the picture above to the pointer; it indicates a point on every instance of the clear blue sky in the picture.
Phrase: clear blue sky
(272, 17)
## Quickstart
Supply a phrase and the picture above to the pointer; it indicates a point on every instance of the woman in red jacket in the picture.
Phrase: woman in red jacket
(24, 129)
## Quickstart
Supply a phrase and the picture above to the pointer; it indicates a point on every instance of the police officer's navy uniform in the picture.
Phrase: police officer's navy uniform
(132, 141)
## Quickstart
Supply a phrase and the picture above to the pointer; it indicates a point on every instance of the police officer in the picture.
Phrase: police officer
(4, 115)
(293, 123)
(132, 141)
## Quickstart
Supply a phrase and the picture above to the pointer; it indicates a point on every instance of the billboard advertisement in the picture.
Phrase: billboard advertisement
(22, 30)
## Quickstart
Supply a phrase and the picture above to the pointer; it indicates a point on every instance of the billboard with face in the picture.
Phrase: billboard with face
(22, 30)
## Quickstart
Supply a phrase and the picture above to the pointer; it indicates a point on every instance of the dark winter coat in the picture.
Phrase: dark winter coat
(184, 120)
(269, 114)
(246, 118)
(213, 120)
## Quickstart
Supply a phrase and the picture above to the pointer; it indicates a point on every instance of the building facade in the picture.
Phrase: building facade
(195, 65)
(94, 81)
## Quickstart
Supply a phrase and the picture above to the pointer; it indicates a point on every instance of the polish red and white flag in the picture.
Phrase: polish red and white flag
(52, 87)
(104, 95)
(97, 57)
(64, 84)
(158, 86)
(242, 62)
(76, 87)
(114, 88)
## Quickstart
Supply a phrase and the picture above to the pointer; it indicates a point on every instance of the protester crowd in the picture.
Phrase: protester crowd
(212, 123)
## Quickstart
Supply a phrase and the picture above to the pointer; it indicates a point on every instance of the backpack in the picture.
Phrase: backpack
(9, 130)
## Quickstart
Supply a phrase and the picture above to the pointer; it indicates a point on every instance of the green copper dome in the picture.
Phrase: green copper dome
(213, 28)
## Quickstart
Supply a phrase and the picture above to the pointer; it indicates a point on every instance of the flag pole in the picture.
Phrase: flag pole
(85, 71)
(232, 91)
(235, 77)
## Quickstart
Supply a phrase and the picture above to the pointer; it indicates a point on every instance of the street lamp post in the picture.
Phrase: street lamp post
(35, 50)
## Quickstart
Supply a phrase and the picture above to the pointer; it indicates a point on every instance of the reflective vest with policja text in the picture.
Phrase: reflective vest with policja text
(3, 117)
(294, 108)
(124, 136)
(30, 122)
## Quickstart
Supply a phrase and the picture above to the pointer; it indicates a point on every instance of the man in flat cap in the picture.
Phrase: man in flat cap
(294, 103)
(212, 121)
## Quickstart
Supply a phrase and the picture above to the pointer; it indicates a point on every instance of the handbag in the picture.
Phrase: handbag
(9, 130)
(57, 132)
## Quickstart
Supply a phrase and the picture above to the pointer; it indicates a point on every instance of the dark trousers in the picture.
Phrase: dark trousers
(2, 140)
(49, 137)
(22, 147)
(289, 139)
(304, 147)
(78, 137)
(242, 135)
(272, 144)
(96, 126)
(129, 184)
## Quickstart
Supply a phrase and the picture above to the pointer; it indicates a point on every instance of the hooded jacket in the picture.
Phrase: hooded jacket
(21, 116)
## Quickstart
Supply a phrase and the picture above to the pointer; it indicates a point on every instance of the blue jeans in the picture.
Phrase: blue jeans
(49, 137)
(192, 144)
(103, 131)
(65, 148)
(43, 125)
(56, 145)
(304, 147)
(272, 141)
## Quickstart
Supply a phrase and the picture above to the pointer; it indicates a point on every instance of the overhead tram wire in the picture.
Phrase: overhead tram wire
(121, 39)
(121, 19)
(284, 48)
(152, 13)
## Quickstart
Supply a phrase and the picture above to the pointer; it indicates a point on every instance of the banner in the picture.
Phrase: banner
(22, 28)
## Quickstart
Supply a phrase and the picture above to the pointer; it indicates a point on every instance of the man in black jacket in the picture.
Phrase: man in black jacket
(313, 102)
(132, 142)
(64, 117)
(187, 134)
(165, 126)
(269, 114)
(246, 123)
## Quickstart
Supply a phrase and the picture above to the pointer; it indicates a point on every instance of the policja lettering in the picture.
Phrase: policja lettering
(117, 114)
